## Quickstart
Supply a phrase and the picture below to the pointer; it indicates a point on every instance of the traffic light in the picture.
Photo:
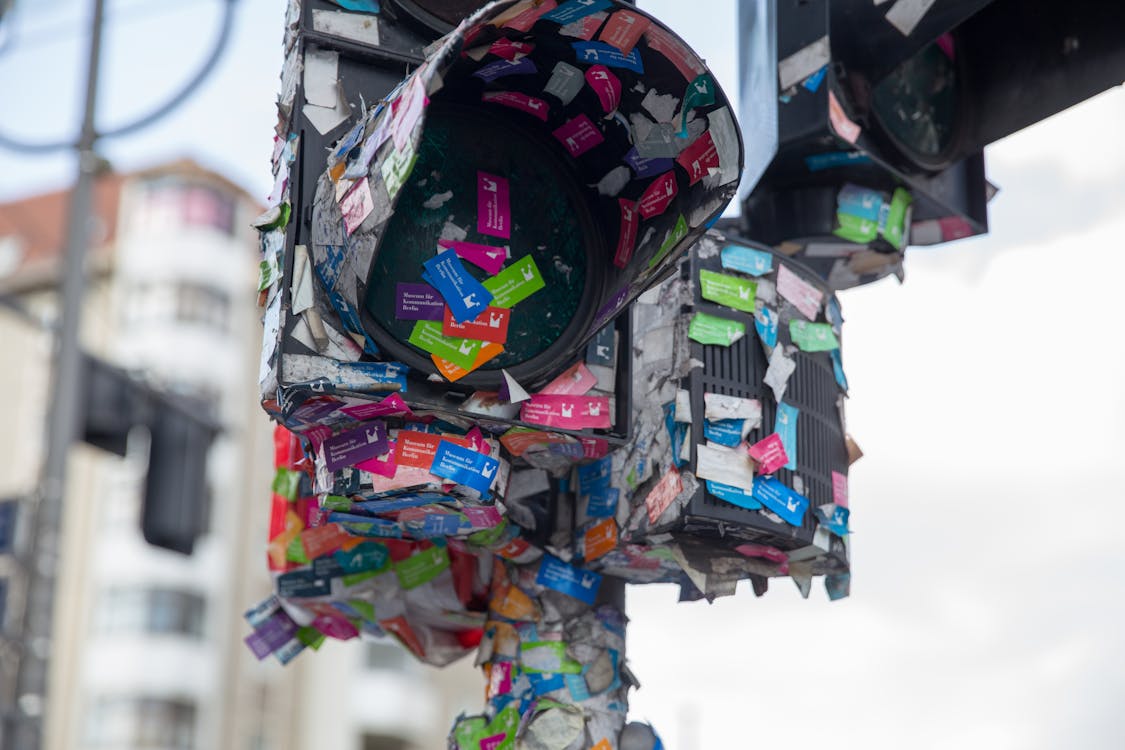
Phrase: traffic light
(859, 96)
(174, 505)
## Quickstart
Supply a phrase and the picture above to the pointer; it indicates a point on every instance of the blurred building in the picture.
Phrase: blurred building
(148, 648)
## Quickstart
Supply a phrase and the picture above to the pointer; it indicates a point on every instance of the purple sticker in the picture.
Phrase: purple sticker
(501, 68)
(466, 297)
(482, 517)
(490, 258)
(417, 302)
(643, 167)
(579, 135)
(610, 308)
(271, 635)
(351, 447)
(494, 214)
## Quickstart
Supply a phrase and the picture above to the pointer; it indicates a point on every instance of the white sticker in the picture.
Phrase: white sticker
(904, 15)
(804, 62)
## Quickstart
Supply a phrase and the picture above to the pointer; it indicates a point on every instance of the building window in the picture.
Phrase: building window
(170, 203)
(156, 611)
(140, 723)
(385, 657)
(383, 742)
(182, 302)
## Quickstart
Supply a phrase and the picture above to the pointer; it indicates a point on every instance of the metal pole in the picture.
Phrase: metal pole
(65, 413)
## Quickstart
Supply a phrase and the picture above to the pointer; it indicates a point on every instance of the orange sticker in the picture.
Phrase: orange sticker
(513, 604)
(322, 540)
(417, 449)
(624, 30)
(402, 630)
(279, 545)
(453, 373)
(603, 745)
(519, 442)
(600, 539)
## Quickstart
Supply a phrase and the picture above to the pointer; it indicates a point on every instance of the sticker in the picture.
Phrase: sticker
(627, 237)
(494, 214)
(905, 15)
(524, 20)
(302, 584)
(576, 10)
(515, 283)
(417, 302)
(491, 325)
(444, 524)
(600, 539)
(558, 576)
(384, 464)
(664, 42)
(356, 205)
(785, 425)
(606, 85)
(509, 49)
(502, 68)
(646, 167)
(769, 453)
(624, 30)
(482, 516)
(804, 296)
(677, 233)
(843, 126)
(734, 495)
(659, 195)
(427, 336)
(782, 500)
(606, 54)
(731, 291)
(838, 369)
(453, 372)
(584, 28)
(464, 466)
(834, 159)
(840, 489)
(422, 567)
(600, 350)
(516, 100)
(576, 381)
(725, 465)
(565, 83)
(347, 448)
(397, 168)
(594, 447)
(391, 406)
(464, 295)
(322, 540)
(833, 518)
(812, 83)
(746, 260)
(720, 406)
(406, 111)
(726, 432)
(700, 93)
(766, 324)
(661, 496)
(699, 159)
(803, 63)
(711, 329)
(594, 476)
(364, 557)
(418, 449)
(858, 201)
(568, 412)
(486, 257)
(812, 337)
(578, 135)
(602, 502)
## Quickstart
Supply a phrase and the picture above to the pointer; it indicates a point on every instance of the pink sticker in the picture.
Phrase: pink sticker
(699, 158)
(661, 496)
(514, 99)
(840, 489)
(477, 441)
(574, 382)
(494, 215)
(843, 126)
(407, 110)
(335, 626)
(606, 85)
(659, 195)
(499, 679)
(568, 412)
(773, 554)
(804, 296)
(317, 434)
(356, 205)
(384, 465)
(579, 135)
(509, 49)
(627, 237)
(483, 516)
(769, 453)
(624, 30)
(391, 406)
(487, 257)
(954, 228)
(493, 742)
(664, 42)
(524, 21)
(594, 447)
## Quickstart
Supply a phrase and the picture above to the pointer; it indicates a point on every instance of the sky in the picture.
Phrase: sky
(987, 602)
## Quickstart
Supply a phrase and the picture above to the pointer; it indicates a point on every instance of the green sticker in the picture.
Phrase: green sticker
(855, 228)
(548, 657)
(354, 578)
(397, 168)
(488, 537)
(728, 290)
(336, 502)
(711, 329)
(310, 637)
(507, 723)
(812, 337)
(427, 335)
(422, 567)
(515, 283)
(469, 732)
(678, 233)
(894, 229)
(286, 482)
(295, 552)
(366, 609)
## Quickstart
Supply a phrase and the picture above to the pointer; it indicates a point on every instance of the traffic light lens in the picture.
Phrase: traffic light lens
(917, 106)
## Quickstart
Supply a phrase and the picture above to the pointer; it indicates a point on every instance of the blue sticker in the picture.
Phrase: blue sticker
(467, 298)
(838, 585)
(303, 584)
(746, 260)
(464, 466)
(363, 6)
(364, 526)
(329, 269)
(834, 159)
(782, 500)
(785, 425)
(726, 432)
(812, 83)
(647, 167)
(445, 524)
(600, 53)
(836, 521)
(501, 68)
(862, 202)
(545, 682)
(378, 374)
(402, 502)
(765, 321)
(602, 503)
(575, 10)
(566, 579)
(576, 684)
(363, 557)
(832, 311)
(571, 450)
(594, 476)
(733, 495)
(677, 432)
(838, 369)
